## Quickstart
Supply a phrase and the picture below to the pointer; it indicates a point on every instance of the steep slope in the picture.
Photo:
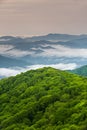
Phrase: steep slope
(43, 99)
(80, 71)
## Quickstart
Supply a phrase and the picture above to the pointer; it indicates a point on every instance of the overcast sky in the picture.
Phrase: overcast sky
(37, 17)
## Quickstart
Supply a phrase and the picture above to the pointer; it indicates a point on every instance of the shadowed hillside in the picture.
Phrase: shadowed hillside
(80, 71)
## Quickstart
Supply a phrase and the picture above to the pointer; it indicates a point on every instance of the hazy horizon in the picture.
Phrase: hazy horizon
(37, 35)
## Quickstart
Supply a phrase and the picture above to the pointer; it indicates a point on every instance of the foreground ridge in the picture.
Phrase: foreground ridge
(43, 99)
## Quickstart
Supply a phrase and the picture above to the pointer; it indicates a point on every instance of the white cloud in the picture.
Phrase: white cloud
(8, 50)
(62, 51)
(18, 53)
(6, 72)
(3, 40)
(60, 66)
(4, 48)
(52, 51)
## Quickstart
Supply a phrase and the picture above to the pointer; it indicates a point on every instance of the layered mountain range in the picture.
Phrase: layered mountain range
(61, 51)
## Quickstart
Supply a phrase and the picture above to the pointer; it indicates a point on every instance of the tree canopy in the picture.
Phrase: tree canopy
(43, 99)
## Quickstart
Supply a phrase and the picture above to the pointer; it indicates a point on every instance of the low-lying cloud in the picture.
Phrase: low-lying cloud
(6, 72)
(50, 51)
(10, 51)
(64, 51)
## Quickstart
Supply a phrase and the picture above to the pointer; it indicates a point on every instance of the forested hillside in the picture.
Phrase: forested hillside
(80, 71)
(43, 99)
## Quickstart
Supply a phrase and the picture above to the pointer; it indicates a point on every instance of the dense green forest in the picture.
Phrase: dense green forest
(43, 99)
(80, 71)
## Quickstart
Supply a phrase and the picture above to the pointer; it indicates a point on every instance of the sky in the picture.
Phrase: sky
(39, 17)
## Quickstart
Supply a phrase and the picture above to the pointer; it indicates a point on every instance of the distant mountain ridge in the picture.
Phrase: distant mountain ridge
(7, 61)
(48, 37)
(80, 71)
(43, 50)
(54, 37)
